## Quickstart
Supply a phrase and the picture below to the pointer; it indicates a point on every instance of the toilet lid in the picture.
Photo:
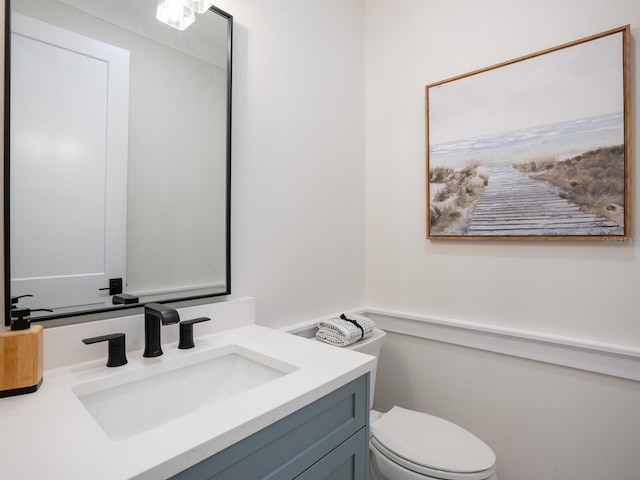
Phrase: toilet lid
(432, 442)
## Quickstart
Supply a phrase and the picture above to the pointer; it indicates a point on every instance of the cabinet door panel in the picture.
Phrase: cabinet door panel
(347, 462)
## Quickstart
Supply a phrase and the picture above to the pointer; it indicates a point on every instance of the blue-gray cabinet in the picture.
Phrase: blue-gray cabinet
(327, 439)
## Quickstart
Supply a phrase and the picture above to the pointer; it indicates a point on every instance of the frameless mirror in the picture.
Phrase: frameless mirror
(117, 159)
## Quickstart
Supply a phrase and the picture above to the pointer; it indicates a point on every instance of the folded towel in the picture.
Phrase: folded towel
(347, 329)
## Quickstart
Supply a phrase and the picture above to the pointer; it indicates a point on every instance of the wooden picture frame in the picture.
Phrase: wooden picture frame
(536, 148)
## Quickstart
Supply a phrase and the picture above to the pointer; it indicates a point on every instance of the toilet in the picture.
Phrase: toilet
(409, 445)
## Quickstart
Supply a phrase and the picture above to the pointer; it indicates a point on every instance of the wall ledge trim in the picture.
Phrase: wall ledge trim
(609, 359)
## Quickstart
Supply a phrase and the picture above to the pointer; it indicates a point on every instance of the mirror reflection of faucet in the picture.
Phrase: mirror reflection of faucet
(154, 314)
(125, 299)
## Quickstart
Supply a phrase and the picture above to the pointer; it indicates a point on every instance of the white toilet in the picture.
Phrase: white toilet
(409, 445)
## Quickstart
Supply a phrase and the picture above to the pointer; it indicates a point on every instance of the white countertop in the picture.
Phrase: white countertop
(50, 435)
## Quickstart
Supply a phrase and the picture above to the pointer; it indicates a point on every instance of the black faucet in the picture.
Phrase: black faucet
(154, 313)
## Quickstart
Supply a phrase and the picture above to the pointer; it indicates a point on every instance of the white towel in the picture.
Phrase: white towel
(347, 329)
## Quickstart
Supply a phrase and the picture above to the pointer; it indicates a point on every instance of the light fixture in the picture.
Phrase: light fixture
(175, 14)
(198, 6)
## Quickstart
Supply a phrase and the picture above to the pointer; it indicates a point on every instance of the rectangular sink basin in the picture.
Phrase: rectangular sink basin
(128, 404)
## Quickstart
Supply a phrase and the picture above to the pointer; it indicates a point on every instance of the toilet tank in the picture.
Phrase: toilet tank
(370, 346)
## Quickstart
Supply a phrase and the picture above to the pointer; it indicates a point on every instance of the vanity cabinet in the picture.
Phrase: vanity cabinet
(327, 439)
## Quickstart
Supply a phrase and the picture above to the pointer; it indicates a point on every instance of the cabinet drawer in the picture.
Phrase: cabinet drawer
(347, 462)
(287, 448)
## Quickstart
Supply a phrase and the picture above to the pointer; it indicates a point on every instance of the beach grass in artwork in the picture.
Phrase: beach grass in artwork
(534, 148)
(594, 180)
(454, 192)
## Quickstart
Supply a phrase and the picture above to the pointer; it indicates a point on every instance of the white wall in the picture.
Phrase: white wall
(177, 173)
(578, 289)
(543, 421)
(298, 157)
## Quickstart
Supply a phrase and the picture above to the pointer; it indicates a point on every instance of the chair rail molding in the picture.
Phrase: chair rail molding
(609, 359)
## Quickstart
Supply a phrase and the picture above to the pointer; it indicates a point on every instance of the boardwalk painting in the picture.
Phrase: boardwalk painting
(536, 148)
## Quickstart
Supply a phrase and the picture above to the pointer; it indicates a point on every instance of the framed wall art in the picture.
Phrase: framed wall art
(538, 147)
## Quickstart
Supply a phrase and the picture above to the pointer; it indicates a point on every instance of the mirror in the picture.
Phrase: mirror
(117, 158)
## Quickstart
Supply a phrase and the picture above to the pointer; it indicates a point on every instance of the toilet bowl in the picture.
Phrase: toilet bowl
(409, 445)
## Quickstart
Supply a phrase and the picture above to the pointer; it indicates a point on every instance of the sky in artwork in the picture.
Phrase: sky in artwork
(581, 81)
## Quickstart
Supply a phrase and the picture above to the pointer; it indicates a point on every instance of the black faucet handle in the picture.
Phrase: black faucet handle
(186, 332)
(117, 348)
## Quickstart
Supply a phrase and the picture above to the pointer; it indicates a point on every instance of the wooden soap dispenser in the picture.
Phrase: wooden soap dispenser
(21, 355)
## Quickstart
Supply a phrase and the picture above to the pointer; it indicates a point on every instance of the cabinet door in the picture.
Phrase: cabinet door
(347, 462)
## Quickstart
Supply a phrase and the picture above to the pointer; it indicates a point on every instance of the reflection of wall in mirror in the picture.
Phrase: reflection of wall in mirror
(177, 127)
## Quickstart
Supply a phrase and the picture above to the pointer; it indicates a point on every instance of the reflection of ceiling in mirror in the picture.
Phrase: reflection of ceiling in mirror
(206, 39)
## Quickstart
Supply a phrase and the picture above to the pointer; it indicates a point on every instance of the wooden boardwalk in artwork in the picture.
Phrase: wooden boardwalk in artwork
(514, 204)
